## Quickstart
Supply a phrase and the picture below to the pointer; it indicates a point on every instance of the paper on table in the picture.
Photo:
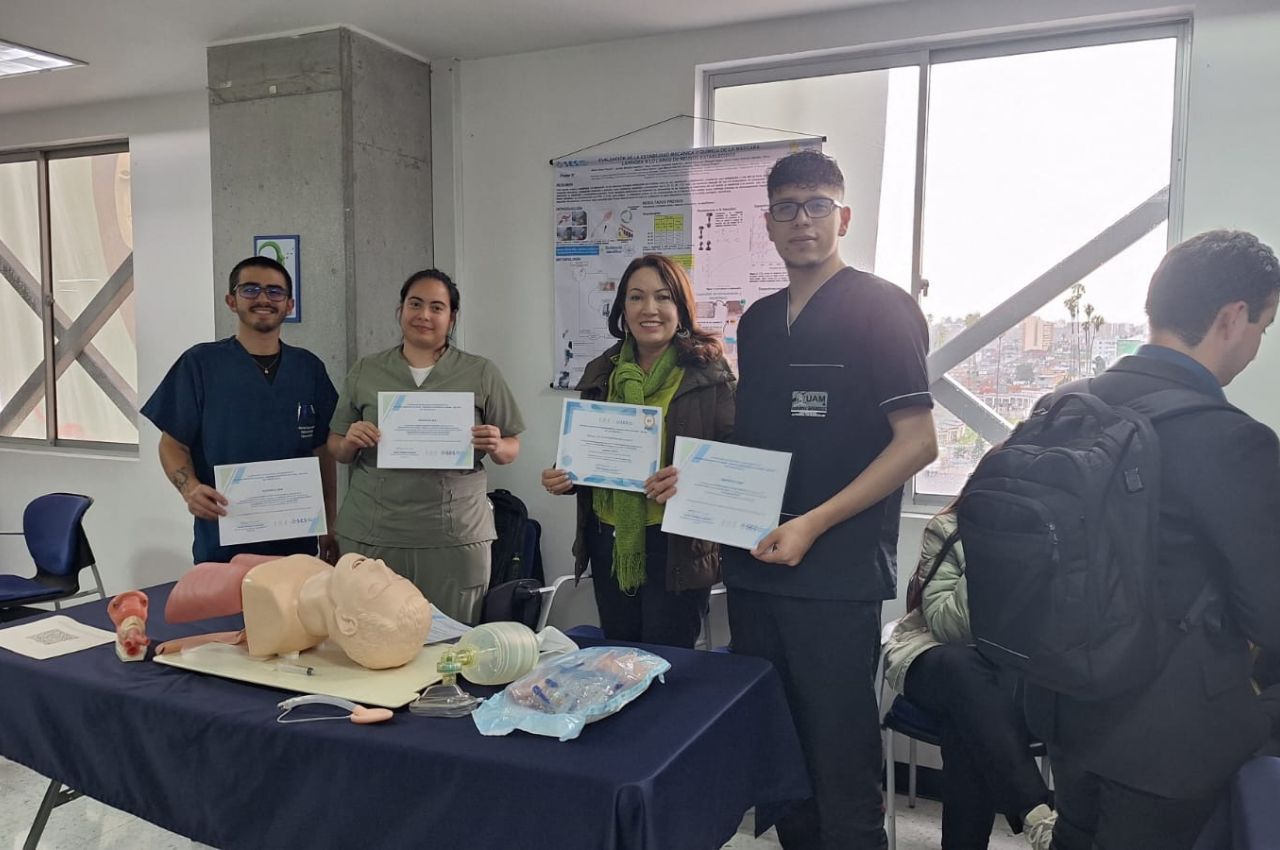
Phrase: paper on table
(602, 444)
(51, 637)
(725, 493)
(270, 500)
(426, 430)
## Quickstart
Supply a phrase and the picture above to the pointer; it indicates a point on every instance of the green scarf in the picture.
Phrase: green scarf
(629, 512)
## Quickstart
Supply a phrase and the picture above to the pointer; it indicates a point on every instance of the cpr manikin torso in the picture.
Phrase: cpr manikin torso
(378, 618)
(271, 594)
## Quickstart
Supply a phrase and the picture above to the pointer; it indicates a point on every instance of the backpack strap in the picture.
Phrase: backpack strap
(947, 545)
(1161, 406)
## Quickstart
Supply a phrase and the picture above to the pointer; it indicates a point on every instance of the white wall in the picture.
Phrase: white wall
(518, 111)
(138, 526)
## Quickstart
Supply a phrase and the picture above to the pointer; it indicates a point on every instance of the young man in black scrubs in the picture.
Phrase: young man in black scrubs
(833, 371)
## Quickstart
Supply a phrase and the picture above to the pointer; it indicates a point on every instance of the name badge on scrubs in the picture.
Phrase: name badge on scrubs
(306, 423)
(809, 403)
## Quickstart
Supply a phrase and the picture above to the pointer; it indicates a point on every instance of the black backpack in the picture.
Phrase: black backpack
(511, 552)
(1060, 527)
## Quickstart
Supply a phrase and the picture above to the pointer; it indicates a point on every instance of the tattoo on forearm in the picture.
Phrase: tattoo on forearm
(181, 477)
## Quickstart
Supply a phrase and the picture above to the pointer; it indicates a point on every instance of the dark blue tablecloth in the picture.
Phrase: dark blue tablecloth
(204, 757)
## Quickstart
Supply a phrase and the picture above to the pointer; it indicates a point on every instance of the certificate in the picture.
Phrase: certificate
(271, 500)
(426, 430)
(615, 446)
(725, 493)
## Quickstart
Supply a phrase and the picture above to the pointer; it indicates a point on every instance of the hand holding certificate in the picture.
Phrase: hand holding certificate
(616, 446)
(426, 430)
(727, 494)
(271, 500)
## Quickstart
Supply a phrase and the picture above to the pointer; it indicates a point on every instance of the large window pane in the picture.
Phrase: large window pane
(22, 412)
(92, 230)
(959, 449)
(1011, 373)
(1029, 158)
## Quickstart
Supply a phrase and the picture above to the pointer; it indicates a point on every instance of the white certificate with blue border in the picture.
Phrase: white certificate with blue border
(426, 430)
(270, 500)
(615, 446)
(725, 493)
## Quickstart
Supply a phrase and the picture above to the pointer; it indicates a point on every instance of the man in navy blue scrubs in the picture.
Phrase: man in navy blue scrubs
(245, 399)
(832, 371)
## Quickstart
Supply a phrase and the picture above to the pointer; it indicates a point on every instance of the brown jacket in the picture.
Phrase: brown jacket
(703, 408)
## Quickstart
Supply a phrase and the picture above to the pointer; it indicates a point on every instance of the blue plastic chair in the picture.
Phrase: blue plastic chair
(52, 526)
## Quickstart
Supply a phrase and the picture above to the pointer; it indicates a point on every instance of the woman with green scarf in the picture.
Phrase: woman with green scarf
(650, 586)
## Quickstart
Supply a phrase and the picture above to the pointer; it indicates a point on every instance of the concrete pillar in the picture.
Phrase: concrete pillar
(326, 135)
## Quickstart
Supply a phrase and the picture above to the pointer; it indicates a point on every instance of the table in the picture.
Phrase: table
(204, 757)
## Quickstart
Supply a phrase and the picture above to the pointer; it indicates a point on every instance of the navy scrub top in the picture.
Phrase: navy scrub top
(217, 402)
(822, 390)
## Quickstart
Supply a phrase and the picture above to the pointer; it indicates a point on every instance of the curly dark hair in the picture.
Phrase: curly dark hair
(804, 168)
(1200, 276)
(699, 347)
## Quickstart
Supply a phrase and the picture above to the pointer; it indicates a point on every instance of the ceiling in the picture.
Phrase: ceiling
(144, 47)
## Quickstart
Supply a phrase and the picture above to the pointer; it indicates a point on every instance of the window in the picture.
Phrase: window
(68, 345)
(1021, 190)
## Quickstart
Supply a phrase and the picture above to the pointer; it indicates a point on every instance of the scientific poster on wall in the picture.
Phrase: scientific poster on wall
(704, 207)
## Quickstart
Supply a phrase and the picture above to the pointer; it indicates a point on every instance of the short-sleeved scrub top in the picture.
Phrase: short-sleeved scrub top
(420, 508)
(217, 402)
(822, 389)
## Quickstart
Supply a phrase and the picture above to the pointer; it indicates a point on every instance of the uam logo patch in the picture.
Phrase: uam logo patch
(812, 403)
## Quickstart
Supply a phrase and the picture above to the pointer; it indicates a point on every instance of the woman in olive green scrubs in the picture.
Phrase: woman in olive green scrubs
(433, 526)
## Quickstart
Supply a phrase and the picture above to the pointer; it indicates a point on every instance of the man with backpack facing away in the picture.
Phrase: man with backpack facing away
(1139, 764)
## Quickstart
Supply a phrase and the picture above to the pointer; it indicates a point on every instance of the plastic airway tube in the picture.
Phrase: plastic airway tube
(359, 714)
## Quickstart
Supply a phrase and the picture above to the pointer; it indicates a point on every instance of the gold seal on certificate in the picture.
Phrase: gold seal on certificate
(603, 444)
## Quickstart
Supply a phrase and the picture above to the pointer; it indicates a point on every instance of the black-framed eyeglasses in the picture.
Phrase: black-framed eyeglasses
(250, 291)
(813, 208)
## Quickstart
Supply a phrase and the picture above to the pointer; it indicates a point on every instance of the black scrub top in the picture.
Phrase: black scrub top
(822, 390)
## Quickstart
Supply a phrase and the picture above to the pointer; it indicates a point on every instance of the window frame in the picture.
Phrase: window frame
(42, 156)
(925, 54)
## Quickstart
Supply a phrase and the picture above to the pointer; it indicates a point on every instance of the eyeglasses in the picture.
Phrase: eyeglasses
(813, 208)
(250, 291)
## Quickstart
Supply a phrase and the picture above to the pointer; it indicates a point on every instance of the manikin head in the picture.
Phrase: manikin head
(378, 618)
